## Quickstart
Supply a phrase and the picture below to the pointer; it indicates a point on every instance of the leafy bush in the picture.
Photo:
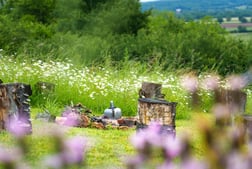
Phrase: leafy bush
(115, 28)
(202, 46)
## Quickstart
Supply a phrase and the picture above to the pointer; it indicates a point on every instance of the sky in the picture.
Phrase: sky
(147, 0)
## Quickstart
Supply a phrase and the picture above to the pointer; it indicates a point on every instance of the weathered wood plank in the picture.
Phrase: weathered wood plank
(150, 110)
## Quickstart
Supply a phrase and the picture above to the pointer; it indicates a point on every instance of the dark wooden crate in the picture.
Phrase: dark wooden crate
(156, 110)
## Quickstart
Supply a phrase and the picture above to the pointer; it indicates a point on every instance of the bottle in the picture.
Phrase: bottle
(112, 112)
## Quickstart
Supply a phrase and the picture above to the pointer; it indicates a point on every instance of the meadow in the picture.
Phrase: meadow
(76, 47)
(94, 87)
(242, 36)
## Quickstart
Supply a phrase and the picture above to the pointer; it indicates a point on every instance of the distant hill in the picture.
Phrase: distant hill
(197, 5)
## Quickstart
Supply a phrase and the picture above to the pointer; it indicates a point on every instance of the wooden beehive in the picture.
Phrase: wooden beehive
(14, 105)
(235, 100)
(150, 110)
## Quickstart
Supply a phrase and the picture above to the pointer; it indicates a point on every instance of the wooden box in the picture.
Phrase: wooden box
(150, 110)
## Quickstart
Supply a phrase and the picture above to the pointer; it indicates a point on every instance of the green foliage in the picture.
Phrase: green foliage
(85, 50)
(88, 32)
(24, 22)
(118, 147)
(89, 5)
(41, 10)
(220, 19)
(94, 87)
(242, 29)
(69, 16)
(117, 17)
(174, 44)
(242, 19)
(14, 34)
(194, 11)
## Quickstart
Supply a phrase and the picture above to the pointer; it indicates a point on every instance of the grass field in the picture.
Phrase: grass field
(96, 87)
(243, 36)
(105, 148)
(232, 25)
(235, 20)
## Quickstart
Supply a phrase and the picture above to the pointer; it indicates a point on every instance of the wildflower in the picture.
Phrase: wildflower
(236, 82)
(53, 161)
(91, 95)
(211, 82)
(168, 165)
(72, 117)
(138, 140)
(71, 153)
(220, 111)
(192, 163)
(9, 156)
(18, 127)
(173, 147)
(190, 83)
(236, 160)
(74, 150)
(149, 136)
(135, 162)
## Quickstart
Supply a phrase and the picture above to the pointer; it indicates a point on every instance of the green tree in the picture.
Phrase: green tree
(175, 44)
(242, 28)
(242, 19)
(69, 16)
(2, 3)
(24, 20)
(220, 19)
(89, 5)
(228, 18)
(118, 17)
(41, 10)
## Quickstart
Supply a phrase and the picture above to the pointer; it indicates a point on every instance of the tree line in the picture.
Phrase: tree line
(95, 31)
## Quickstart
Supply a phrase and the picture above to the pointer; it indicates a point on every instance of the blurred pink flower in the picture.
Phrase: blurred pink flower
(193, 163)
(134, 162)
(8, 155)
(220, 111)
(211, 82)
(70, 117)
(149, 136)
(72, 153)
(236, 160)
(153, 134)
(53, 161)
(189, 83)
(18, 128)
(236, 82)
(168, 165)
(138, 140)
(173, 147)
(74, 150)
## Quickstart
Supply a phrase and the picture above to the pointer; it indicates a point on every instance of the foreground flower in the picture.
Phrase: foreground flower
(211, 82)
(189, 83)
(9, 158)
(74, 150)
(71, 153)
(236, 82)
(154, 139)
(18, 127)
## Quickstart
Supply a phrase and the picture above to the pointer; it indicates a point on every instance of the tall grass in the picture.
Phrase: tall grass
(96, 86)
(243, 36)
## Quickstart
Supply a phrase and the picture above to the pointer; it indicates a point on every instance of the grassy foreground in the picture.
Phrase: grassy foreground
(95, 87)
(105, 148)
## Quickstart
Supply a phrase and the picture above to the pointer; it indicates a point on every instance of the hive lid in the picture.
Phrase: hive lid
(155, 101)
